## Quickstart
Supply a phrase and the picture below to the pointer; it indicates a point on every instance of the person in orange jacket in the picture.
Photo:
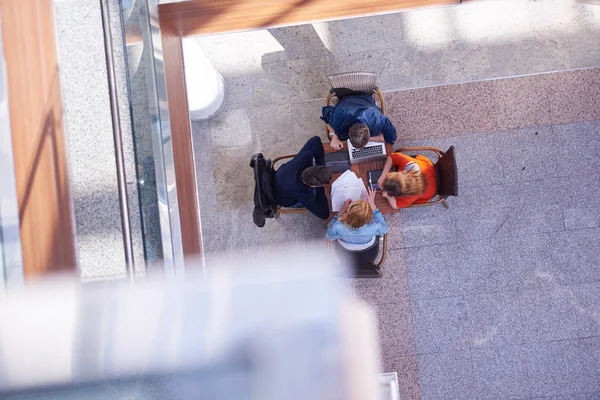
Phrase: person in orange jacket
(415, 181)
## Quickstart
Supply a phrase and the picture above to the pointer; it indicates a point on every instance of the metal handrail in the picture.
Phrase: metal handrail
(118, 141)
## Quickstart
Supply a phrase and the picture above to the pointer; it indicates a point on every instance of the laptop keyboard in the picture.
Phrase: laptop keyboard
(365, 152)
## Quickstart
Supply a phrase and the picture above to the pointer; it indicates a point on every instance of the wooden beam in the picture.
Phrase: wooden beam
(181, 135)
(36, 120)
(200, 17)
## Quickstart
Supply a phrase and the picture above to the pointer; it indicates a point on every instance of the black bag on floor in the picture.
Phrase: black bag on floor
(265, 205)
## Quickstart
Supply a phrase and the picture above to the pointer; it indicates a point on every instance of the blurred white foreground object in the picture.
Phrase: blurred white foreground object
(255, 328)
(204, 84)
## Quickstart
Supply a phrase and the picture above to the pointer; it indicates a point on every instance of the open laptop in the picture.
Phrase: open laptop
(372, 151)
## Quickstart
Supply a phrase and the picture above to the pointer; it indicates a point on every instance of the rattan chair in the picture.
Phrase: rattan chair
(362, 263)
(446, 172)
(285, 210)
(353, 83)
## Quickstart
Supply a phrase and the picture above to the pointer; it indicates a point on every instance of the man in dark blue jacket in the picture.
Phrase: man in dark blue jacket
(300, 181)
(357, 117)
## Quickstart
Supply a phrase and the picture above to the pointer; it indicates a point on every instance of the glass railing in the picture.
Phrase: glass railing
(11, 265)
(152, 135)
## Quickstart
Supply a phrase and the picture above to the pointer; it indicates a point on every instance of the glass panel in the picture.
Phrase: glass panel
(11, 263)
(152, 135)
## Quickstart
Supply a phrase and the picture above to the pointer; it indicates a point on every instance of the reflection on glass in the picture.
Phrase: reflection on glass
(152, 137)
(11, 263)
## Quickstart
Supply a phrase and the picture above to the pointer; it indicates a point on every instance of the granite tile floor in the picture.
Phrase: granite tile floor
(501, 288)
(498, 296)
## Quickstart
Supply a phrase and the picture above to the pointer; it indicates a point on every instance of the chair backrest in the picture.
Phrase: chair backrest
(447, 174)
(356, 81)
(265, 205)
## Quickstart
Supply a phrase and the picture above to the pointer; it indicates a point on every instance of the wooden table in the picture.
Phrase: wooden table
(361, 170)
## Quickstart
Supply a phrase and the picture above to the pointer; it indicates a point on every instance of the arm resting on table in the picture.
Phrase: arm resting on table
(316, 202)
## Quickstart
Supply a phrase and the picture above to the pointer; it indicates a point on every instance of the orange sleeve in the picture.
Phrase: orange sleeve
(400, 160)
(427, 162)
(405, 201)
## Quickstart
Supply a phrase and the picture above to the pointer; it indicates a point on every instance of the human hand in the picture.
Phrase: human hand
(370, 198)
(380, 181)
(336, 143)
(345, 206)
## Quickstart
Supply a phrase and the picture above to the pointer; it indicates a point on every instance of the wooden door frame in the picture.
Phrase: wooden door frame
(46, 221)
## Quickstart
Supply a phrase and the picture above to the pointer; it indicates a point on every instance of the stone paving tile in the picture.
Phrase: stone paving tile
(582, 209)
(408, 375)
(272, 85)
(578, 396)
(288, 229)
(528, 154)
(590, 356)
(577, 144)
(205, 179)
(227, 164)
(364, 33)
(575, 87)
(428, 271)
(583, 49)
(500, 372)
(440, 325)
(446, 376)
(495, 319)
(237, 230)
(549, 314)
(590, 396)
(522, 262)
(372, 60)
(395, 239)
(576, 255)
(307, 122)
(426, 226)
(456, 269)
(537, 206)
(555, 368)
(231, 129)
(453, 56)
(308, 78)
(479, 159)
(443, 111)
(587, 303)
(238, 92)
(523, 102)
(469, 273)
(268, 124)
(538, 51)
(481, 212)
(299, 41)
(211, 243)
(396, 330)
(392, 287)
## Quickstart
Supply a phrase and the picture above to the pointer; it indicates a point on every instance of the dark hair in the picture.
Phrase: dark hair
(318, 175)
(359, 135)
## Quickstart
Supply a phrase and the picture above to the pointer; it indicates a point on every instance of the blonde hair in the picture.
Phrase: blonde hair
(405, 183)
(359, 213)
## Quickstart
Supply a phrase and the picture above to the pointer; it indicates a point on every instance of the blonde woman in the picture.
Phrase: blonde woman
(357, 224)
(414, 183)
